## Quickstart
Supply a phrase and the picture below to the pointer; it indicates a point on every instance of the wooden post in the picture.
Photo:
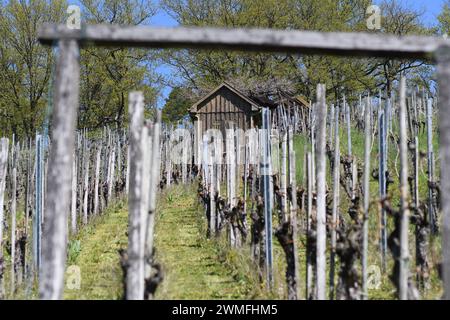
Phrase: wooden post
(404, 197)
(154, 182)
(97, 178)
(309, 263)
(443, 73)
(266, 187)
(135, 279)
(37, 218)
(283, 180)
(293, 207)
(321, 192)
(382, 182)
(430, 163)
(366, 189)
(73, 211)
(86, 184)
(4, 144)
(13, 224)
(127, 177)
(60, 163)
(146, 145)
(335, 214)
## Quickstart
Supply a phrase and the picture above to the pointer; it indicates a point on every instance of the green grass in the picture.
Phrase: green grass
(196, 267)
(95, 251)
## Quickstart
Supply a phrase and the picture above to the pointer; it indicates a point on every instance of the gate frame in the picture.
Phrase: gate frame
(266, 40)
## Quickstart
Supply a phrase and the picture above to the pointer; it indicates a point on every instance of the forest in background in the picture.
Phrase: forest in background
(108, 74)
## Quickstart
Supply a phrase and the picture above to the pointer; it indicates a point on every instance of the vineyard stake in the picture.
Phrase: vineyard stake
(65, 108)
(265, 167)
(335, 214)
(367, 147)
(321, 192)
(4, 144)
(293, 207)
(430, 163)
(404, 197)
(135, 279)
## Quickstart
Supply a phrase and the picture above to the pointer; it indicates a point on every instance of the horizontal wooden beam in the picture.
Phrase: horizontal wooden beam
(301, 42)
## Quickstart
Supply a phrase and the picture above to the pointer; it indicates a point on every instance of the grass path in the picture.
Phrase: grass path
(95, 252)
(195, 268)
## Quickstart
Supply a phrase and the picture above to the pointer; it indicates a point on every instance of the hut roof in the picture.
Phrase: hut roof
(254, 105)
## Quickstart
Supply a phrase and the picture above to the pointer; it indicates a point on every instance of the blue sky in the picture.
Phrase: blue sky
(431, 8)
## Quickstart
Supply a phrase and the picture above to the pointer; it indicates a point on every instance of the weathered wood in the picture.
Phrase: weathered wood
(135, 279)
(4, 145)
(154, 182)
(13, 226)
(305, 42)
(443, 73)
(86, 185)
(321, 192)
(144, 222)
(60, 164)
(335, 213)
(366, 190)
(382, 181)
(127, 174)
(73, 210)
(293, 208)
(37, 217)
(267, 190)
(309, 216)
(404, 197)
(430, 164)
(283, 175)
(97, 178)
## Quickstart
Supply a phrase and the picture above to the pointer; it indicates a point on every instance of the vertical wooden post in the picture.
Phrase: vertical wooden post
(321, 192)
(134, 285)
(283, 180)
(335, 214)
(13, 224)
(86, 185)
(366, 190)
(382, 181)
(4, 144)
(154, 182)
(37, 218)
(265, 173)
(147, 148)
(430, 163)
(60, 164)
(443, 73)
(73, 211)
(127, 177)
(404, 197)
(97, 178)
(293, 207)
(309, 265)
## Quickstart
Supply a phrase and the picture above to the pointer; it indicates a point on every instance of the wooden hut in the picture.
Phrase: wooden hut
(223, 108)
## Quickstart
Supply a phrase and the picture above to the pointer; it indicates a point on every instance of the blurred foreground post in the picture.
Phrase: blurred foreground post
(65, 108)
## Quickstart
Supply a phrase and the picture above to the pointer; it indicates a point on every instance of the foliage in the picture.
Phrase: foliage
(25, 65)
(264, 72)
(109, 74)
(177, 106)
